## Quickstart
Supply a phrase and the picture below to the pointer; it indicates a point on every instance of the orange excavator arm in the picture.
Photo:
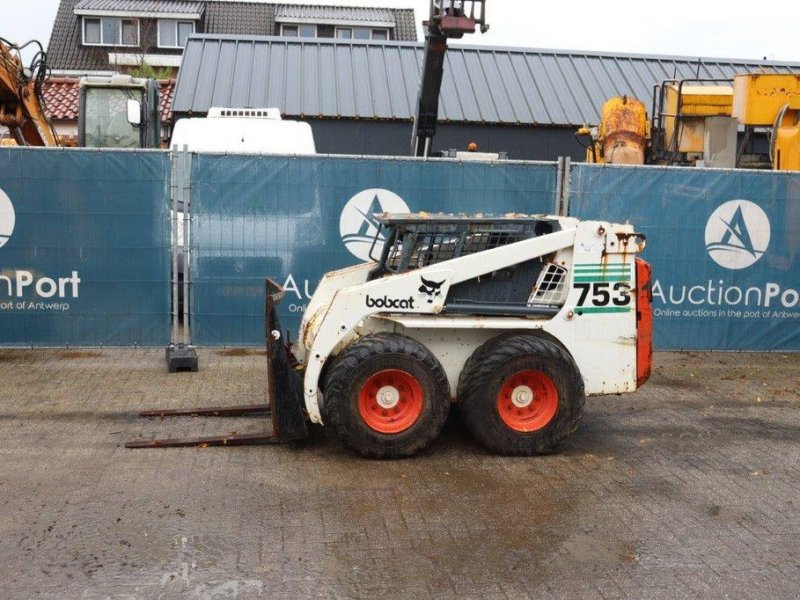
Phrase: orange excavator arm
(21, 110)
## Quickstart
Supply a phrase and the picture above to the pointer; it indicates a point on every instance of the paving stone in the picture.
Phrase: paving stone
(687, 488)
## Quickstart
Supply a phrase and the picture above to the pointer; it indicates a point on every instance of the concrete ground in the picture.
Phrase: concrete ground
(688, 488)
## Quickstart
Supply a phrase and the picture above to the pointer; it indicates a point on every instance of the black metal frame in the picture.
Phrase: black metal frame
(414, 242)
(658, 114)
(284, 388)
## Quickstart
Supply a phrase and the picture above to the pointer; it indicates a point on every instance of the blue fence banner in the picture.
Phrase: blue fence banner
(294, 219)
(723, 244)
(84, 247)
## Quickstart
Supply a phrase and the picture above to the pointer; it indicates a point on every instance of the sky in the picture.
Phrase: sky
(694, 29)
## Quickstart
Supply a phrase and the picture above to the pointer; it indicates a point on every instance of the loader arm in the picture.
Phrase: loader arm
(20, 107)
(400, 294)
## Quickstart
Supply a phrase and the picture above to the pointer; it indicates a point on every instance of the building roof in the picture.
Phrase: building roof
(242, 18)
(380, 80)
(66, 52)
(61, 97)
(305, 12)
(141, 7)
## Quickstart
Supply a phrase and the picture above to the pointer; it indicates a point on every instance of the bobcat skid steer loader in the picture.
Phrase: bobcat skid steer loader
(516, 319)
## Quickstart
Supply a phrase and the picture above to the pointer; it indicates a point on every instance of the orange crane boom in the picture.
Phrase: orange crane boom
(21, 110)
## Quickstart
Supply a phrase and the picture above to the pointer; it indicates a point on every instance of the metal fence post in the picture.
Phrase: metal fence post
(187, 232)
(173, 161)
(181, 356)
(559, 183)
(565, 187)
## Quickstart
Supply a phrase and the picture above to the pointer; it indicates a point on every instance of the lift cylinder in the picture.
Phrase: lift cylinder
(623, 131)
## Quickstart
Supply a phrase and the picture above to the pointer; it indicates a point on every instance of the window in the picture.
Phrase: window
(361, 33)
(173, 34)
(110, 31)
(130, 33)
(106, 119)
(91, 31)
(303, 31)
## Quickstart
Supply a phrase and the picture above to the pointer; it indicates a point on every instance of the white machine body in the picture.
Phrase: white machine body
(592, 271)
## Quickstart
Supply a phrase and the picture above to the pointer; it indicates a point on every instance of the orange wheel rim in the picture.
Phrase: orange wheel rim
(390, 401)
(527, 400)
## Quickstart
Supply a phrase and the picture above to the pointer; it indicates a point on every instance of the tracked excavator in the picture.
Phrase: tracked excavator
(118, 111)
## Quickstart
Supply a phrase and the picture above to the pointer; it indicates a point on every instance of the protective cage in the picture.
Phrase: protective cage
(414, 241)
(532, 287)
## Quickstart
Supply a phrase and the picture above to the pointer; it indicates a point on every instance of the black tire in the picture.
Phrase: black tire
(346, 394)
(513, 358)
(475, 358)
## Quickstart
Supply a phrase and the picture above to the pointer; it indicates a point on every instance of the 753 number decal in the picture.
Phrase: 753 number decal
(604, 293)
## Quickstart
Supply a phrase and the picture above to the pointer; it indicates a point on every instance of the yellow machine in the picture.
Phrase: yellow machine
(753, 122)
(694, 103)
(621, 138)
(772, 101)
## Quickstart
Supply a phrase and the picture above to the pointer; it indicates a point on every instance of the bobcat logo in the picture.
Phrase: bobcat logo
(432, 289)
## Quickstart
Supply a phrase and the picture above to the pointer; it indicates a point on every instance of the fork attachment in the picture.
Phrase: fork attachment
(284, 389)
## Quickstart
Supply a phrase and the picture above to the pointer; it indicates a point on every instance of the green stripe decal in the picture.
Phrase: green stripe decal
(588, 310)
(600, 264)
(603, 269)
(611, 278)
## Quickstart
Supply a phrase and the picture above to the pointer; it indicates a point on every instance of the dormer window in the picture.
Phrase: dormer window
(110, 31)
(361, 33)
(301, 30)
(173, 33)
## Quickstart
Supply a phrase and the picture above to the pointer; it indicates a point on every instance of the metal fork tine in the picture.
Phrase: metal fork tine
(212, 411)
(235, 439)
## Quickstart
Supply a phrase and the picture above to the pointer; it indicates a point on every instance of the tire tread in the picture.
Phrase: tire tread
(490, 430)
(340, 374)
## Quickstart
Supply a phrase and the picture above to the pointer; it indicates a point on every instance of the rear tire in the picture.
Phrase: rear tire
(523, 395)
(386, 396)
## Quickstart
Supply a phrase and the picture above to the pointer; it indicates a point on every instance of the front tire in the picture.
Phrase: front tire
(524, 396)
(386, 396)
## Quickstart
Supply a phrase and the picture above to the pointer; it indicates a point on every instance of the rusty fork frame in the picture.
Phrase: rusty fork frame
(284, 391)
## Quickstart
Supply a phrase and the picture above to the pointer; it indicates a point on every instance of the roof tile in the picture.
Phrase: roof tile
(142, 6)
(339, 13)
(61, 98)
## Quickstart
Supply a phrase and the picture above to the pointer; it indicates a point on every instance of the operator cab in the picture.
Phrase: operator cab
(119, 112)
(534, 287)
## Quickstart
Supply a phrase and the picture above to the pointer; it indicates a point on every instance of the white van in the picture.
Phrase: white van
(237, 131)
(244, 131)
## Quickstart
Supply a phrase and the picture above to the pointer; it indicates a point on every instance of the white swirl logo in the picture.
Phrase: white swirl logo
(358, 226)
(737, 234)
(7, 218)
